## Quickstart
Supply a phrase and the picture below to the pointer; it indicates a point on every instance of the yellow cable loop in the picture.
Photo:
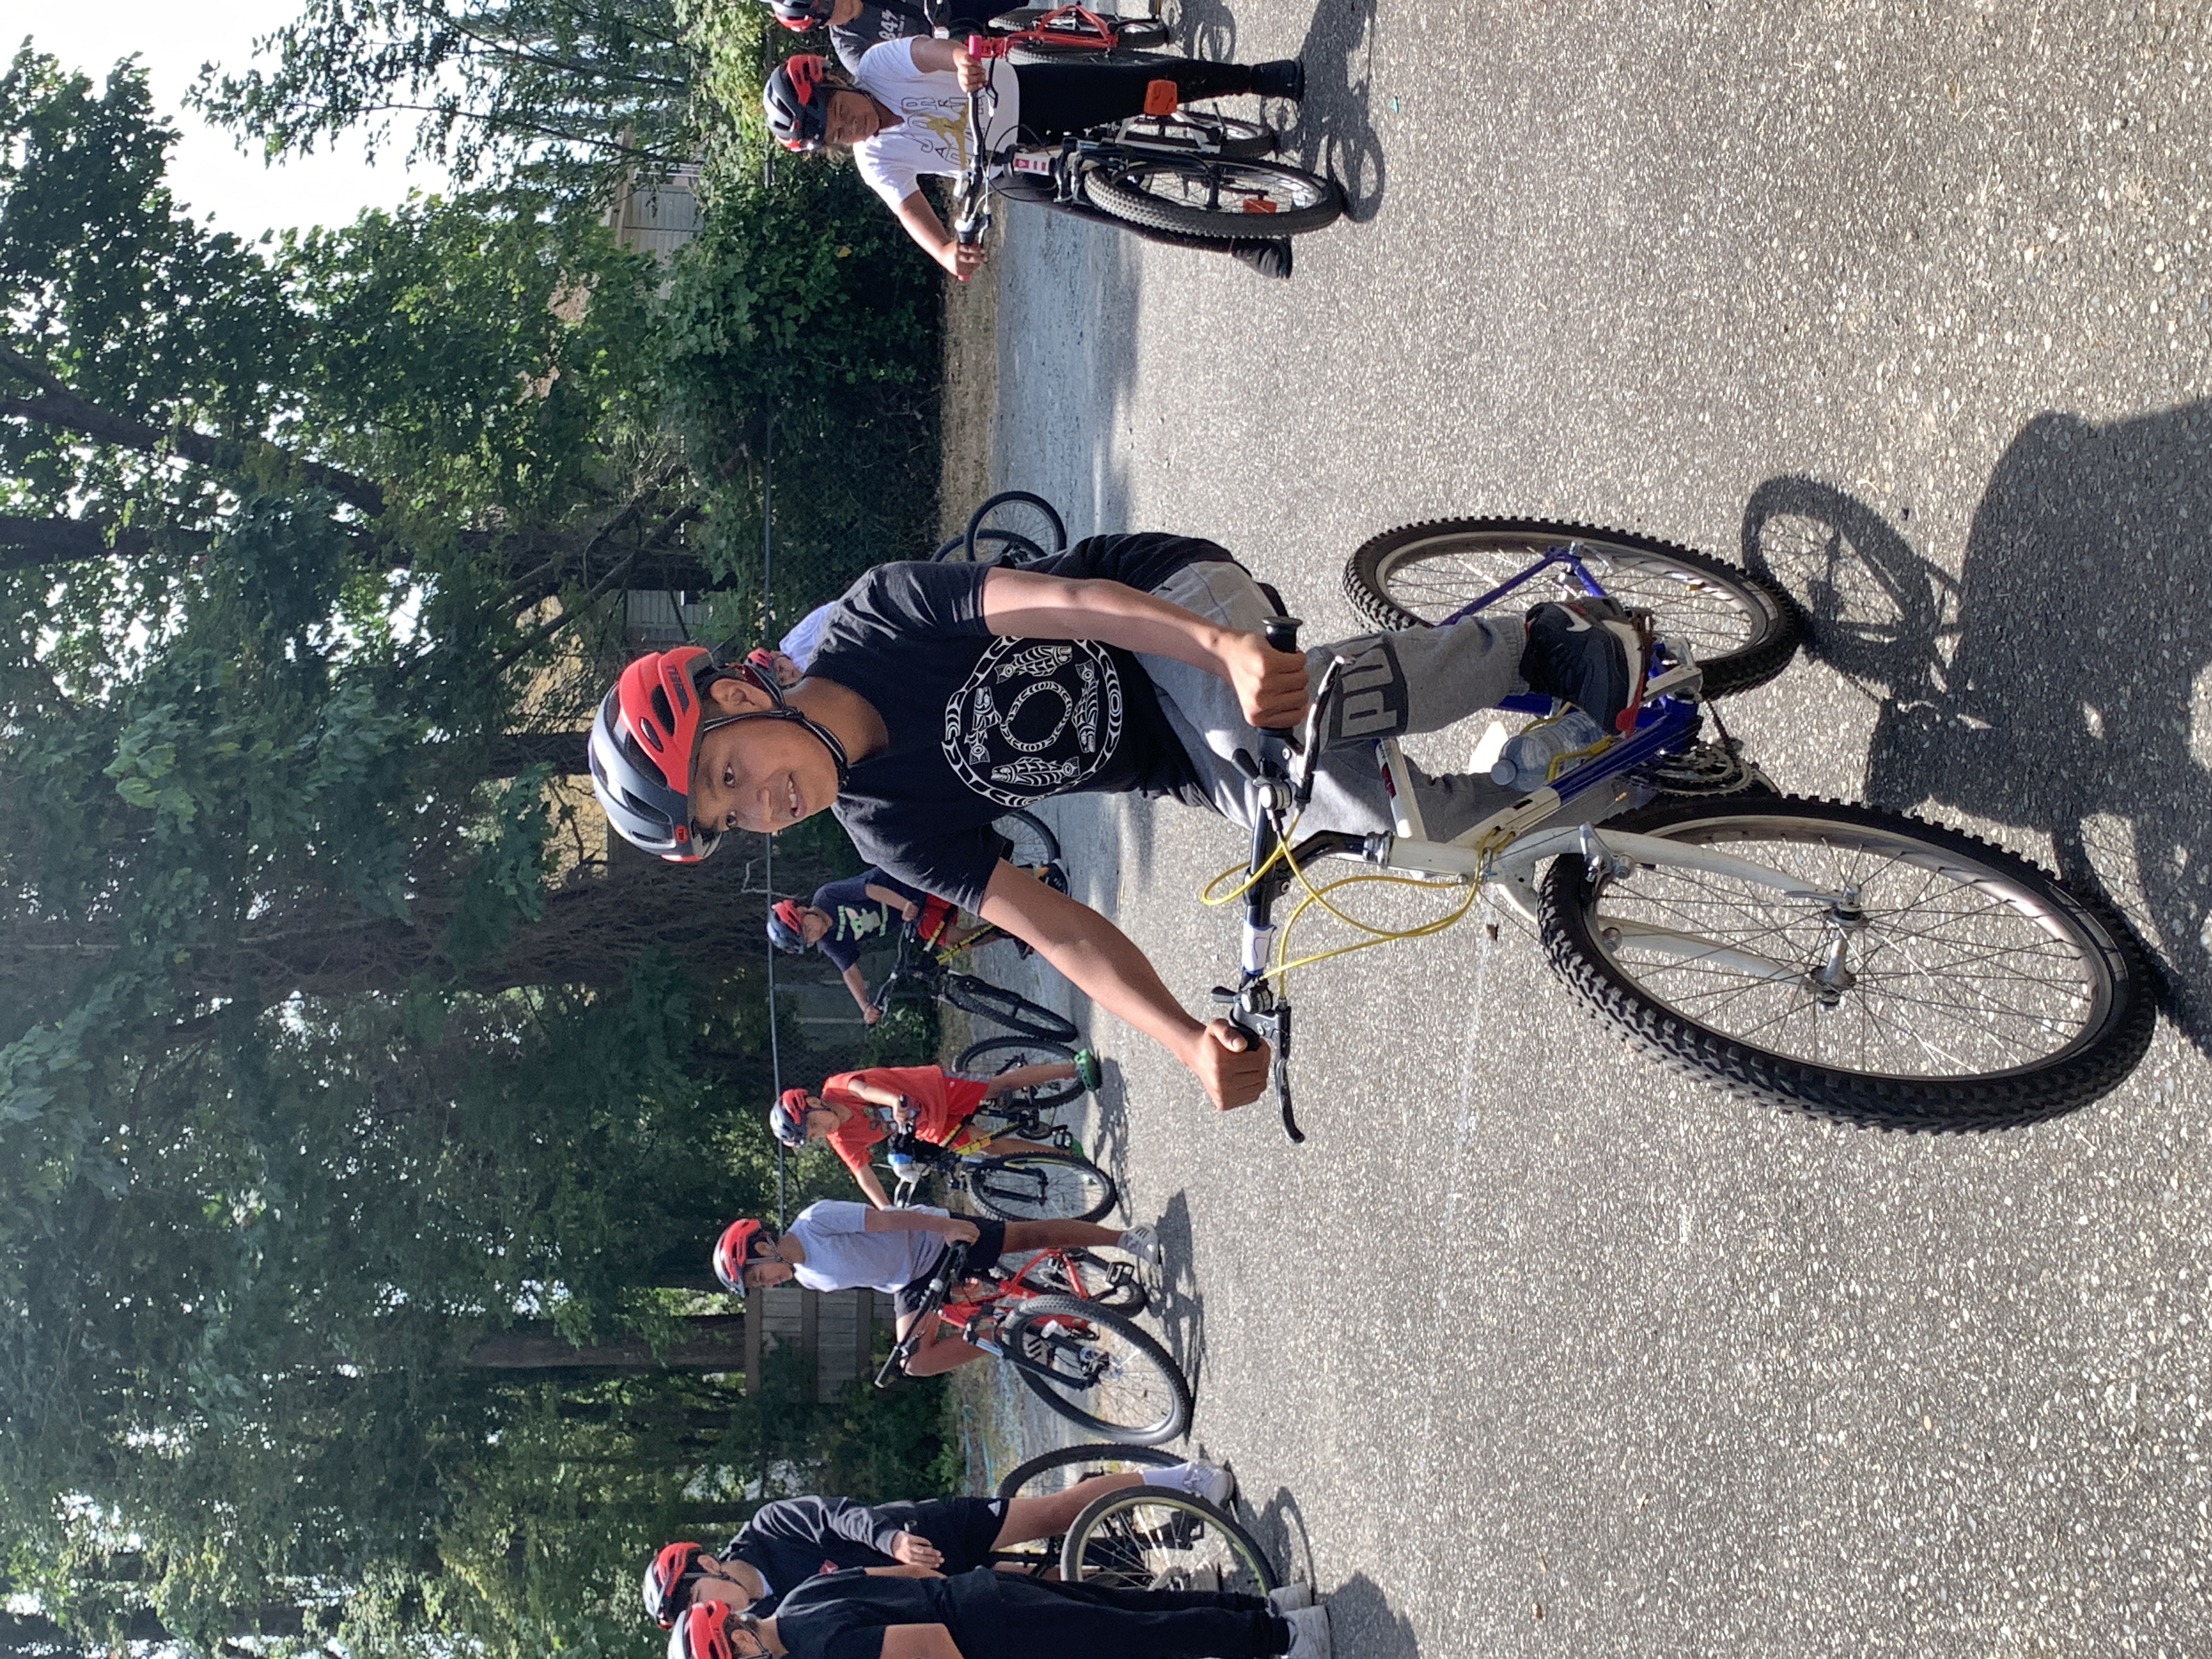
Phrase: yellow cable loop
(1207, 895)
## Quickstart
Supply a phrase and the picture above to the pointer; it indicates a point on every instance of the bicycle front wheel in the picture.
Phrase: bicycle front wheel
(1221, 198)
(1030, 839)
(1042, 1186)
(1015, 1013)
(1152, 1538)
(1742, 629)
(1097, 1370)
(1933, 982)
(997, 1054)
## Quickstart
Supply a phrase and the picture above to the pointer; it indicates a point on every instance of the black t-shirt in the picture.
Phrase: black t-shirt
(857, 921)
(978, 724)
(871, 27)
(843, 1615)
(793, 1539)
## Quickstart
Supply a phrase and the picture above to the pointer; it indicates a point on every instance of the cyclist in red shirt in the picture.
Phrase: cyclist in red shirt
(855, 1110)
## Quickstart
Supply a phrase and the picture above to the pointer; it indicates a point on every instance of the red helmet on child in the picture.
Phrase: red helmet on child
(796, 99)
(703, 1631)
(664, 1580)
(733, 1251)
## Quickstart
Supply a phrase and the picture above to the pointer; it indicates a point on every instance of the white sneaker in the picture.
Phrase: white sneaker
(1208, 1481)
(1308, 1633)
(1143, 1241)
(1290, 1598)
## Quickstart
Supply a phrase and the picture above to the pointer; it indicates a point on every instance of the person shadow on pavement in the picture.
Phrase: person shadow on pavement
(1180, 1308)
(2063, 682)
(1330, 132)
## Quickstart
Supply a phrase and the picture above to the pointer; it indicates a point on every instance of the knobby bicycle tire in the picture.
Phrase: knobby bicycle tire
(979, 526)
(1101, 1547)
(1200, 132)
(1117, 188)
(1772, 624)
(1030, 839)
(1060, 1457)
(1014, 1012)
(1042, 1186)
(995, 1055)
(1056, 1389)
(1995, 890)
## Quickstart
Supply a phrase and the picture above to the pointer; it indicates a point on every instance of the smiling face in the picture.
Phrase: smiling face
(762, 775)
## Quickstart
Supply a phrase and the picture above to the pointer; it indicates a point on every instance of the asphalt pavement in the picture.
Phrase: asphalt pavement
(1535, 1348)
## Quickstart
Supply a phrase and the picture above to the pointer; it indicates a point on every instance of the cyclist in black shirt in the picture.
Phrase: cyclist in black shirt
(856, 25)
(943, 694)
(917, 1614)
(794, 1539)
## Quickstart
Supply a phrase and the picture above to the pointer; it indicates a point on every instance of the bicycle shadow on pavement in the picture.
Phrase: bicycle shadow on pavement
(1334, 133)
(1278, 1527)
(2063, 682)
(1179, 1310)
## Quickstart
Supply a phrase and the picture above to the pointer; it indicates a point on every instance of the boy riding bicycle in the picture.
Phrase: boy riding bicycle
(904, 114)
(835, 1244)
(857, 1110)
(944, 694)
(845, 916)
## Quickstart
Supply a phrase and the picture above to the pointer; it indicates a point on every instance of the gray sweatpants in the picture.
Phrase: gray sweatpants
(1414, 679)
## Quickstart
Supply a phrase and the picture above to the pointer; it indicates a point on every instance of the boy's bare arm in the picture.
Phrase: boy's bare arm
(930, 235)
(1101, 961)
(898, 901)
(859, 987)
(1270, 684)
(872, 1185)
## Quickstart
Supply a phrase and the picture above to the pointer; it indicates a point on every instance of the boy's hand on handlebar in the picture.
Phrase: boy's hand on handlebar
(871, 1014)
(973, 74)
(1233, 1064)
(962, 259)
(1270, 684)
(962, 1231)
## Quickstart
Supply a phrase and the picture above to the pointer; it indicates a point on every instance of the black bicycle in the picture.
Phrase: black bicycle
(1191, 178)
(1059, 1185)
(1139, 1537)
(1023, 1112)
(1012, 528)
(921, 973)
(1081, 1358)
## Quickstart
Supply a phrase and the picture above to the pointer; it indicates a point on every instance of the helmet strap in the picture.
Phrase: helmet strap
(781, 710)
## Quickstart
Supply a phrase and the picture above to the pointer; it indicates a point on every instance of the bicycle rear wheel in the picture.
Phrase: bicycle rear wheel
(1217, 196)
(1742, 629)
(1097, 1370)
(1014, 1012)
(1030, 839)
(1958, 986)
(995, 1055)
(1042, 1186)
(1152, 1538)
(1132, 35)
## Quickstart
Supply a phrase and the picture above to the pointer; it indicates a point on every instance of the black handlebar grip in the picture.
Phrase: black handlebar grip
(1282, 632)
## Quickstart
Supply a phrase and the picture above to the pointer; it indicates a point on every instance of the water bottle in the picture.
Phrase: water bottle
(1525, 763)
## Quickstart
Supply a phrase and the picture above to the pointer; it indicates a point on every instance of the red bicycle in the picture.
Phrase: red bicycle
(1062, 1321)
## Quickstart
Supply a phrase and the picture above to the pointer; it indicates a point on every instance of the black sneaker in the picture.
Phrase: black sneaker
(1269, 256)
(1589, 653)
(1284, 78)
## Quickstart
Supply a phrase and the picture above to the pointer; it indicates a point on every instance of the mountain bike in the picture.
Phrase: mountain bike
(1139, 1537)
(1084, 1360)
(1049, 1186)
(1818, 955)
(1192, 179)
(920, 972)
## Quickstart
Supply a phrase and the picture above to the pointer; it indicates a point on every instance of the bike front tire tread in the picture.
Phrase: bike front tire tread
(2065, 1082)
(980, 1187)
(1106, 192)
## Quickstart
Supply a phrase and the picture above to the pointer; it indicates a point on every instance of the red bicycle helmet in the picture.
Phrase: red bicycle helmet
(645, 733)
(664, 1580)
(788, 1118)
(732, 1251)
(796, 99)
(800, 16)
(703, 1631)
(784, 928)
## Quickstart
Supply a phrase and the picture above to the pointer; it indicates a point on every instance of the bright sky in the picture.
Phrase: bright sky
(173, 38)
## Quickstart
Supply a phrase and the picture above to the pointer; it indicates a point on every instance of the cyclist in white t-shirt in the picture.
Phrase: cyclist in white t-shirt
(904, 114)
(833, 1245)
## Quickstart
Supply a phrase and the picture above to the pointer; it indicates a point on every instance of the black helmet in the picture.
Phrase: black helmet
(796, 99)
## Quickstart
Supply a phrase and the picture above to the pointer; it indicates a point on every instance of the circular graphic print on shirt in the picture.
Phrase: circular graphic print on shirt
(1034, 719)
